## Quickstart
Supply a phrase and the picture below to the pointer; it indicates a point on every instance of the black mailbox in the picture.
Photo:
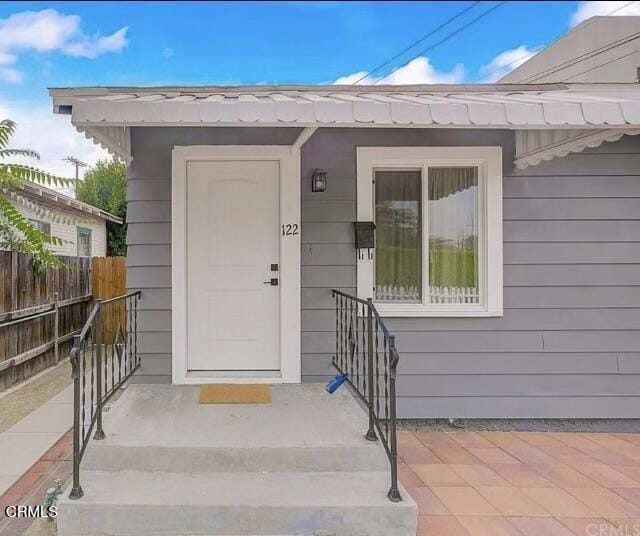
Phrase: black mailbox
(365, 234)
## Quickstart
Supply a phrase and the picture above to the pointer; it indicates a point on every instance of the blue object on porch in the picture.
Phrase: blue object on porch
(334, 384)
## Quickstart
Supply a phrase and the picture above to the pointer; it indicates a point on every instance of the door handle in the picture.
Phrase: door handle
(273, 282)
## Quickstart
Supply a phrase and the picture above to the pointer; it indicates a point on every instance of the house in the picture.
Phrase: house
(81, 226)
(496, 239)
(528, 194)
(599, 49)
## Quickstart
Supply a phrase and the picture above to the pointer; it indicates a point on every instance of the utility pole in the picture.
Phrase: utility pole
(78, 164)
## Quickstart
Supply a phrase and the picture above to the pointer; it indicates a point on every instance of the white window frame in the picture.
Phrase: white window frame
(489, 163)
(89, 231)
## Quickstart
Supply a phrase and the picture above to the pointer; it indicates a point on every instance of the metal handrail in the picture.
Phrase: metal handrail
(366, 354)
(98, 349)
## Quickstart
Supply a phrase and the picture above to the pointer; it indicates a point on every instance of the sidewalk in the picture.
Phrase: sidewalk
(25, 442)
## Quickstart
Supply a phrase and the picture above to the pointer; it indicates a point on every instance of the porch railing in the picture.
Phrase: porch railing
(366, 352)
(103, 357)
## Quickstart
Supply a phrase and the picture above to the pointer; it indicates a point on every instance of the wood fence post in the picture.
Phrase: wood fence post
(56, 328)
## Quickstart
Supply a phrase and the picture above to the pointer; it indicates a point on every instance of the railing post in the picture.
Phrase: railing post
(98, 342)
(371, 433)
(394, 492)
(76, 489)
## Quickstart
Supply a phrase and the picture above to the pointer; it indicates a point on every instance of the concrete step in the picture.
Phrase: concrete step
(153, 428)
(106, 457)
(129, 503)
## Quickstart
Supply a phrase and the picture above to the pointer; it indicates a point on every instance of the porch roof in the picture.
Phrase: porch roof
(551, 119)
(495, 105)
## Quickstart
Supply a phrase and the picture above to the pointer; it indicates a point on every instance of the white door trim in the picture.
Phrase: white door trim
(289, 159)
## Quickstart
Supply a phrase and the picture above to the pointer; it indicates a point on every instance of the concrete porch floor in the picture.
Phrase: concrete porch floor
(522, 483)
(154, 425)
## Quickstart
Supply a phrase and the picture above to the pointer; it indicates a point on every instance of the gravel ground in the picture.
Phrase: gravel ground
(22, 400)
(616, 426)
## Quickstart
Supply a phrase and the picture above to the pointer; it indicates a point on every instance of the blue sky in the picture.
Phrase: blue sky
(46, 44)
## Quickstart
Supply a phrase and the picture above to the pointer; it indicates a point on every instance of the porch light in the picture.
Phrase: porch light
(319, 180)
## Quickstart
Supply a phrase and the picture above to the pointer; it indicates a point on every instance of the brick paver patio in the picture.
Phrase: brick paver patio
(477, 483)
(523, 483)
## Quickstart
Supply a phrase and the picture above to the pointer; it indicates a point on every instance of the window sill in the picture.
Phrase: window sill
(421, 311)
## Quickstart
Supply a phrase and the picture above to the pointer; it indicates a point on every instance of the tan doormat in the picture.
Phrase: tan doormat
(231, 393)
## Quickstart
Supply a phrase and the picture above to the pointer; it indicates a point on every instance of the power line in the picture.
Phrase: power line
(560, 36)
(602, 64)
(587, 55)
(446, 23)
(446, 38)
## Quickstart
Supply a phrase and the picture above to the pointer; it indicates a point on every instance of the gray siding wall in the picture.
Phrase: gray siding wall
(569, 342)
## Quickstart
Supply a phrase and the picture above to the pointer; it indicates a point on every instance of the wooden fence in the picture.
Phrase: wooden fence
(40, 314)
(108, 280)
(28, 346)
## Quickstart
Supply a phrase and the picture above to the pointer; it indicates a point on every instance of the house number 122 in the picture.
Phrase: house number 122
(290, 229)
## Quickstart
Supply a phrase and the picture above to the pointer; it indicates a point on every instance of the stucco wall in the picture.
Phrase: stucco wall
(569, 342)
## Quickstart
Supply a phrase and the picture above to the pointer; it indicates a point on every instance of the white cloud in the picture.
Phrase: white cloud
(96, 46)
(11, 75)
(168, 52)
(51, 31)
(587, 10)
(50, 135)
(505, 62)
(417, 71)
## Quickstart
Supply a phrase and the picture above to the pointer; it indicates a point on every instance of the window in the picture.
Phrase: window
(42, 226)
(438, 215)
(84, 242)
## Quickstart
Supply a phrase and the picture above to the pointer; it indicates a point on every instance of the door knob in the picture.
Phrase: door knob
(273, 282)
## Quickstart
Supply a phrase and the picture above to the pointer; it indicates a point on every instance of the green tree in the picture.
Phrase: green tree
(16, 232)
(104, 186)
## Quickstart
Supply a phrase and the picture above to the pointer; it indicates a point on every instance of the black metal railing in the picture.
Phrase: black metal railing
(103, 357)
(366, 352)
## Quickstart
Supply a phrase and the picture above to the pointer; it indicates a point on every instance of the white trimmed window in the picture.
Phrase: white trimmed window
(83, 236)
(438, 216)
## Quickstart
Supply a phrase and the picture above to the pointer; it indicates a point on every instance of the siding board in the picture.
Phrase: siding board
(330, 255)
(149, 189)
(148, 233)
(571, 231)
(570, 297)
(567, 275)
(572, 209)
(327, 233)
(149, 277)
(328, 276)
(149, 255)
(572, 253)
(575, 187)
(148, 211)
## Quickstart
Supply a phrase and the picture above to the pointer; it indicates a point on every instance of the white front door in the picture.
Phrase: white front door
(233, 252)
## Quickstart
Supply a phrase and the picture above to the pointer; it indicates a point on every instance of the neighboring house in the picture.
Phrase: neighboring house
(507, 261)
(81, 226)
(600, 49)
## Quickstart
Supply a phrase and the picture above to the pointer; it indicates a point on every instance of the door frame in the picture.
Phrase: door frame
(289, 161)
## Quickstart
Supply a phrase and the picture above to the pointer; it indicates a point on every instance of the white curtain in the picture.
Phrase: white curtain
(398, 265)
(453, 234)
